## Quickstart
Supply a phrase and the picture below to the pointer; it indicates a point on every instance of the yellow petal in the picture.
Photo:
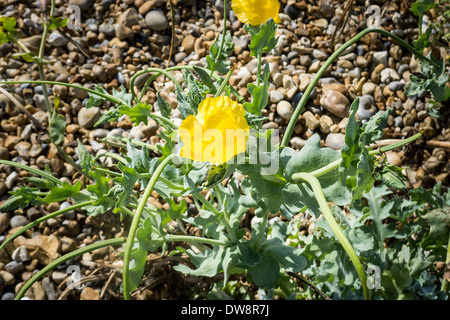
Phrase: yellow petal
(256, 12)
(217, 133)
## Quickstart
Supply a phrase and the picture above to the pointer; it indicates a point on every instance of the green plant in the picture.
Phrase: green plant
(302, 181)
(434, 76)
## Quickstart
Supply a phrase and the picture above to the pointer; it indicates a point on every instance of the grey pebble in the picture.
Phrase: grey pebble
(69, 214)
(335, 141)
(57, 40)
(8, 296)
(11, 179)
(367, 107)
(18, 221)
(14, 267)
(49, 288)
(21, 254)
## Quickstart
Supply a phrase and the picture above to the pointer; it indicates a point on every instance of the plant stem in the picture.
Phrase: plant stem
(190, 68)
(258, 69)
(317, 188)
(67, 257)
(335, 164)
(214, 210)
(41, 173)
(70, 85)
(224, 83)
(112, 155)
(447, 267)
(38, 221)
(334, 56)
(262, 228)
(224, 32)
(197, 240)
(127, 211)
(135, 223)
(159, 71)
(41, 56)
(225, 214)
(396, 145)
(169, 183)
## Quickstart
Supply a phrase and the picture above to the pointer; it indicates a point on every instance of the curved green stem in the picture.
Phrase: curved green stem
(41, 173)
(210, 207)
(67, 257)
(41, 56)
(334, 56)
(225, 214)
(224, 32)
(196, 240)
(190, 68)
(318, 192)
(335, 164)
(169, 183)
(149, 70)
(165, 120)
(135, 142)
(42, 219)
(71, 85)
(224, 83)
(262, 228)
(396, 144)
(135, 224)
(112, 155)
(147, 83)
(258, 69)
(447, 265)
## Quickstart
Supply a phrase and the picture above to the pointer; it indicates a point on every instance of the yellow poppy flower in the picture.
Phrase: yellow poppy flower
(256, 12)
(217, 133)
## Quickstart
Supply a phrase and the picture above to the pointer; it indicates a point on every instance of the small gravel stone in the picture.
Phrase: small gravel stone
(336, 103)
(11, 180)
(284, 109)
(325, 124)
(49, 288)
(57, 40)
(276, 96)
(4, 221)
(156, 20)
(335, 141)
(297, 142)
(88, 117)
(310, 120)
(14, 267)
(18, 221)
(89, 294)
(366, 107)
(21, 254)
(8, 296)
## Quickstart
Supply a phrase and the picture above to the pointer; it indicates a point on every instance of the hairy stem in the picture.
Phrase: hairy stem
(197, 240)
(190, 68)
(258, 69)
(317, 188)
(67, 257)
(334, 56)
(41, 173)
(224, 32)
(150, 70)
(335, 164)
(447, 267)
(112, 155)
(214, 210)
(224, 83)
(135, 224)
(70, 85)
